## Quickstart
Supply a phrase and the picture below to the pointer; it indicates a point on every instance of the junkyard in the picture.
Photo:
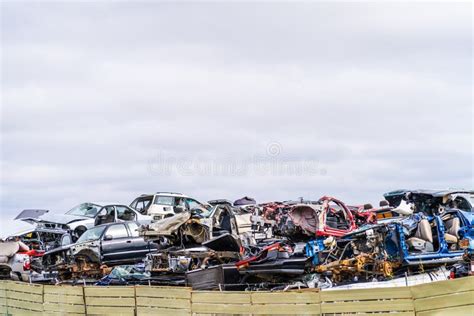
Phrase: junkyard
(172, 239)
(414, 237)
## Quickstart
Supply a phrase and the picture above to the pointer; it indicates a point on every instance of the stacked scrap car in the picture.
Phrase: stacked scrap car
(176, 240)
(192, 240)
(430, 237)
(15, 260)
(98, 249)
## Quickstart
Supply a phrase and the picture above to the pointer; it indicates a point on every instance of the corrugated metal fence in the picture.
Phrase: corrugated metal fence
(452, 297)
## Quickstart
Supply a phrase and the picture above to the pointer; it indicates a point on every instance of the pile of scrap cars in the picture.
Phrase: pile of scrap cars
(172, 239)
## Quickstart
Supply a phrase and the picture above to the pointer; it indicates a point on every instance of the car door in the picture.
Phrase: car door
(140, 246)
(116, 244)
(142, 204)
(124, 214)
(338, 219)
(105, 215)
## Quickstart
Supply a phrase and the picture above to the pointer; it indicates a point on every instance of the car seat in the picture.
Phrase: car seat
(423, 239)
(452, 227)
(127, 216)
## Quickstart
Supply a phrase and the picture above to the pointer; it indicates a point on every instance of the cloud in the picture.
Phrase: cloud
(377, 96)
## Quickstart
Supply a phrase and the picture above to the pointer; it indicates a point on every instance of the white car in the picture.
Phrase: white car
(15, 260)
(164, 204)
(78, 219)
(86, 215)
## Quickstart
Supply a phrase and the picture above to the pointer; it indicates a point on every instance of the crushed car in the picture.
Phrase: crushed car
(160, 205)
(435, 234)
(98, 249)
(432, 234)
(191, 227)
(78, 219)
(15, 259)
(191, 240)
(326, 217)
(84, 216)
(243, 210)
(42, 238)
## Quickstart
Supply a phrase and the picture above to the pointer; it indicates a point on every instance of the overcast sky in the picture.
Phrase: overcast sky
(105, 101)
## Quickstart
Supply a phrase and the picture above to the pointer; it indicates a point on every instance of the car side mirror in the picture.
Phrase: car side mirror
(368, 206)
(179, 209)
(383, 203)
(108, 237)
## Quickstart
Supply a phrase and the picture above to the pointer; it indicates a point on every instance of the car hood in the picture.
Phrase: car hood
(58, 218)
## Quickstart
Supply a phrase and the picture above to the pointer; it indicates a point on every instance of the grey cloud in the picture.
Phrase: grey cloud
(93, 93)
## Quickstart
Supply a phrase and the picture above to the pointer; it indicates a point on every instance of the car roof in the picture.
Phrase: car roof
(116, 204)
(434, 193)
(164, 194)
(101, 203)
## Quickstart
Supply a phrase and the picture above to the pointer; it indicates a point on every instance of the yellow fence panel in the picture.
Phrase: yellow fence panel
(436, 298)
(24, 298)
(3, 297)
(156, 300)
(64, 300)
(450, 311)
(305, 302)
(452, 297)
(208, 302)
(105, 300)
(443, 287)
(380, 300)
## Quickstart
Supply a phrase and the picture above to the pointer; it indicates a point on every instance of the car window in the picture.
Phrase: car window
(142, 204)
(117, 231)
(164, 200)
(84, 209)
(180, 202)
(108, 210)
(133, 229)
(91, 234)
(193, 204)
(125, 214)
(66, 240)
(336, 216)
(461, 203)
(198, 208)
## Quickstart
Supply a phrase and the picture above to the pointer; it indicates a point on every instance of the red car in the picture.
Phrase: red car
(326, 217)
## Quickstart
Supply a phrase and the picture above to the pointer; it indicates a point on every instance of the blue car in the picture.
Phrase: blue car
(440, 229)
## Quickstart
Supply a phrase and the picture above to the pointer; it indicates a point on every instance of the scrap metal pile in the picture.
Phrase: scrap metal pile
(168, 238)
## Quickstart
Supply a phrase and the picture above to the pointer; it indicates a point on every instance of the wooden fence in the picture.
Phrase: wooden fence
(452, 297)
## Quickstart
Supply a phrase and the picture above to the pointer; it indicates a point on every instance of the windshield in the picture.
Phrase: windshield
(198, 208)
(85, 209)
(91, 234)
